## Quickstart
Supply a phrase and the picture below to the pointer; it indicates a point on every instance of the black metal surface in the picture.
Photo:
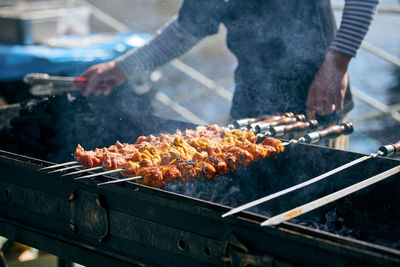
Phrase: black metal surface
(51, 128)
(133, 224)
(129, 224)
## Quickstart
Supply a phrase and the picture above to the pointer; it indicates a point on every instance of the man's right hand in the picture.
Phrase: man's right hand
(101, 78)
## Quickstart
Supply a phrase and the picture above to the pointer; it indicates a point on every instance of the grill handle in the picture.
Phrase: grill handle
(329, 132)
(391, 149)
(298, 126)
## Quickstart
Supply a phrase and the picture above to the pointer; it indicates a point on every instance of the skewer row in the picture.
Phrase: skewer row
(297, 125)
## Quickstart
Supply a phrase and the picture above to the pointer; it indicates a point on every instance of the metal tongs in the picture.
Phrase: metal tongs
(44, 84)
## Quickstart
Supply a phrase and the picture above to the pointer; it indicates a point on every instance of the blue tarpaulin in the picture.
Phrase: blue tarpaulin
(70, 57)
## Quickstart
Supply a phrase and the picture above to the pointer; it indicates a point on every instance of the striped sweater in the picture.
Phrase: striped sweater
(173, 41)
(357, 16)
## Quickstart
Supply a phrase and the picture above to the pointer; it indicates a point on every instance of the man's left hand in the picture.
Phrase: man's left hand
(327, 91)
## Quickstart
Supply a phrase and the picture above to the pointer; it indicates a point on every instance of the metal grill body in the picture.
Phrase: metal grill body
(132, 224)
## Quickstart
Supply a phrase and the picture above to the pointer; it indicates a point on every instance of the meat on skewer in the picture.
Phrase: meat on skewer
(213, 166)
(121, 152)
(207, 152)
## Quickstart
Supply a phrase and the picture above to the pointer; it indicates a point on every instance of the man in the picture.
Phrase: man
(290, 57)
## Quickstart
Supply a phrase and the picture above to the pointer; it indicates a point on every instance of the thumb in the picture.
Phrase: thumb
(310, 114)
(310, 107)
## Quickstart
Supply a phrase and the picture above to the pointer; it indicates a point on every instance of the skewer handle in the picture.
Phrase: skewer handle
(298, 126)
(390, 150)
(329, 132)
(278, 117)
(261, 127)
(265, 118)
(288, 120)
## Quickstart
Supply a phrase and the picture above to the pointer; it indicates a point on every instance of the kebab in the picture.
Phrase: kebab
(112, 155)
(244, 153)
(202, 158)
(148, 154)
(206, 161)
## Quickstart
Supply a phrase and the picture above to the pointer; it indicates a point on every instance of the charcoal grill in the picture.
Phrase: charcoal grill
(134, 224)
(131, 224)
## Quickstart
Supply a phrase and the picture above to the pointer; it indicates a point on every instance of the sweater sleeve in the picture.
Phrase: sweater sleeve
(171, 42)
(356, 19)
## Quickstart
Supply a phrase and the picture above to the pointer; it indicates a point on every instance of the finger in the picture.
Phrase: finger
(310, 106)
(310, 112)
(107, 90)
(339, 102)
(333, 108)
(99, 89)
(90, 71)
(89, 74)
(329, 105)
(94, 84)
(102, 87)
(310, 109)
(320, 107)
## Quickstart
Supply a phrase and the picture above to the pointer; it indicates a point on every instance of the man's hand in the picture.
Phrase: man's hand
(101, 78)
(327, 91)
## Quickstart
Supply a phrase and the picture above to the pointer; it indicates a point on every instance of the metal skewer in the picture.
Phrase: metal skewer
(263, 126)
(329, 132)
(282, 130)
(293, 188)
(67, 168)
(290, 128)
(244, 123)
(58, 165)
(385, 151)
(81, 171)
(99, 174)
(293, 213)
(121, 180)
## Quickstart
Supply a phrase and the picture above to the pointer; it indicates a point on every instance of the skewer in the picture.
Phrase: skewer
(301, 126)
(81, 171)
(263, 126)
(292, 128)
(99, 174)
(345, 128)
(289, 128)
(282, 130)
(67, 168)
(293, 213)
(121, 180)
(58, 165)
(291, 189)
(385, 151)
(243, 123)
